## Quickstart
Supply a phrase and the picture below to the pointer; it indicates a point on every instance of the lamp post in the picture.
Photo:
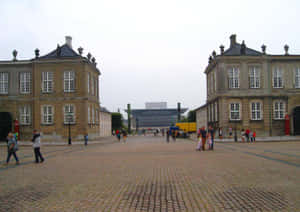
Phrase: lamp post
(69, 118)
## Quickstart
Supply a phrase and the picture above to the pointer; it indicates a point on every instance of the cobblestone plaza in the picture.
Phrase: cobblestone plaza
(148, 174)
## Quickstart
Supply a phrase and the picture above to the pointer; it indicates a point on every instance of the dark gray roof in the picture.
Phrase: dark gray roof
(235, 50)
(63, 51)
(103, 109)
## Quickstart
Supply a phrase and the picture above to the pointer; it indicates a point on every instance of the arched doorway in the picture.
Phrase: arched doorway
(5, 125)
(296, 115)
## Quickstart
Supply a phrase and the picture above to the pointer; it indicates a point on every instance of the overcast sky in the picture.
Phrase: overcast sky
(154, 50)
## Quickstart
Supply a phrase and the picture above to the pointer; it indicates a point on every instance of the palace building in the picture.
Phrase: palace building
(247, 88)
(50, 92)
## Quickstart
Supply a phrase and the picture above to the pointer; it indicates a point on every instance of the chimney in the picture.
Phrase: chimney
(69, 41)
(232, 40)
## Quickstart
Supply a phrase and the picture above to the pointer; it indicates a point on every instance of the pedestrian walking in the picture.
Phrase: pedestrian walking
(199, 144)
(230, 132)
(36, 146)
(168, 135)
(124, 133)
(220, 133)
(251, 136)
(247, 133)
(86, 138)
(243, 135)
(118, 134)
(12, 148)
(203, 137)
(211, 134)
(254, 136)
(174, 135)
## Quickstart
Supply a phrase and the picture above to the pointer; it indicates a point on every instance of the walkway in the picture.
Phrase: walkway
(148, 174)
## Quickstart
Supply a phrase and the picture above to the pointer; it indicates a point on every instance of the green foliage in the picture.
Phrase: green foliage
(116, 121)
(191, 116)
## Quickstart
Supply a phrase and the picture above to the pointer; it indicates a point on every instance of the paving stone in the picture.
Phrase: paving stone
(148, 174)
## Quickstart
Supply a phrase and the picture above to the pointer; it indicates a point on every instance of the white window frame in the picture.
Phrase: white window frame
(215, 80)
(25, 115)
(92, 86)
(297, 77)
(47, 114)
(279, 110)
(97, 116)
(233, 77)
(69, 81)
(216, 111)
(93, 115)
(89, 115)
(47, 81)
(277, 78)
(88, 82)
(254, 77)
(3, 82)
(69, 109)
(235, 108)
(256, 110)
(25, 82)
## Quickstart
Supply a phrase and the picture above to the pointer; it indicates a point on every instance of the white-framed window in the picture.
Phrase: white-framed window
(256, 111)
(208, 111)
(97, 116)
(216, 111)
(211, 84)
(69, 114)
(279, 109)
(213, 111)
(47, 82)
(95, 86)
(254, 77)
(25, 82)
(47, 114)
(92, 86)
(88, 82)
(89, 115)
(69, 81)
(277, 78)
(215, 81)
(93, 115)
(297, 78)
(233, 77)
(3, 82)
(25, 115)
(234, 111)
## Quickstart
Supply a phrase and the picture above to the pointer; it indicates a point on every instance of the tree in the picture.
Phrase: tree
(192, 116)
(116, 121)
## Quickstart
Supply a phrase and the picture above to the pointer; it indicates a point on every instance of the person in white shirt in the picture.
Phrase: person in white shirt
(36, 146)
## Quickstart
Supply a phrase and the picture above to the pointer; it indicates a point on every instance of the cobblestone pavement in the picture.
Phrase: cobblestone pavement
(148, 174)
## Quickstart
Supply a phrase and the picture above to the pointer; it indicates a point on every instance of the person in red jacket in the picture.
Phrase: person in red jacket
(247, 133)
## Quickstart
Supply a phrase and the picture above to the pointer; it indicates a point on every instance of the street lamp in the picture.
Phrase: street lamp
(70, 119)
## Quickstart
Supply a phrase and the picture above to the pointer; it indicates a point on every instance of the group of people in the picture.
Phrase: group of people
(13, 147)
(120, 133)
(205, 135)
(248, 135)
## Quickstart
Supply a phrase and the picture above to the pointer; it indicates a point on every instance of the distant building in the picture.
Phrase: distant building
(252, 89)
(105, 122)
(156, 105)
(164, 117)
(49, 92)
